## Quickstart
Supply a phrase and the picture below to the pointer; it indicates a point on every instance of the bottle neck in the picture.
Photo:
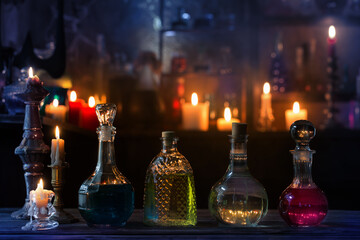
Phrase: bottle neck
(302, 160)
(169, 145)
(238, 155)
(106, 155)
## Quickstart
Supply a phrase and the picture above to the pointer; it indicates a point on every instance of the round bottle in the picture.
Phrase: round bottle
(303, 204)
(238, 199)
(106, 198)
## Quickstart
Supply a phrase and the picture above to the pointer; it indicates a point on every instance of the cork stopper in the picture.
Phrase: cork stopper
(239, 130)
(168, 134)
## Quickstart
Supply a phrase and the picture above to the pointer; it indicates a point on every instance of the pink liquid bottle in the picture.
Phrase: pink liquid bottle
(303, 204)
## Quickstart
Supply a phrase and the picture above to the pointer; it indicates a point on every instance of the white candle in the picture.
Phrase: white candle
(40, 196)
(266, 109)
(292, 115)
(56, 111)
(225, 124)
(195, 115)
(57, 149)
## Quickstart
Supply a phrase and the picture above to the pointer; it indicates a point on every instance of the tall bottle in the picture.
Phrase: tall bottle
(169, 196)
(238, 199)
(303, 204)
(106, 198)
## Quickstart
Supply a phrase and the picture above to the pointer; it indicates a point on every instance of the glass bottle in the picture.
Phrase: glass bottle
(106, 198)
(238, 199)
(169, 196)
(303, 204)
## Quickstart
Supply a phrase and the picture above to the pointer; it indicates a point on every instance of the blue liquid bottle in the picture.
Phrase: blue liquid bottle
(106, 198)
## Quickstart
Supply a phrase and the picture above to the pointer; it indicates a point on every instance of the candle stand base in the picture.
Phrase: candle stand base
(40, 225)
(23, 212)
(265, 124)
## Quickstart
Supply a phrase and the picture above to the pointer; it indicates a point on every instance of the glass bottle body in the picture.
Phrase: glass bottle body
(238, 199)
(303, 204)
(169, 195)
(106, 198)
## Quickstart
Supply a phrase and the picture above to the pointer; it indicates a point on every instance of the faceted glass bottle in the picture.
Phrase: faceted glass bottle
(106, 198)
(303, 204)
(169, 195)
(238, 199)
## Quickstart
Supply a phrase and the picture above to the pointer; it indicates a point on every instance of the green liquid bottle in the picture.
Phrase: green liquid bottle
(169, 196)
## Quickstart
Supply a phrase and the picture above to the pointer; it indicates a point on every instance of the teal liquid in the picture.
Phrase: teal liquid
(106, 206)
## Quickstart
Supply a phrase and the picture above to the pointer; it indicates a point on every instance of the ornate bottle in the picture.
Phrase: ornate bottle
(169, 196)
(106, 198)
(303, 204)
(238, 199)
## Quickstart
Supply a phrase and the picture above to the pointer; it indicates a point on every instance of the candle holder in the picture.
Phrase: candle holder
(57, 181)
(41, 208)
(32, 149)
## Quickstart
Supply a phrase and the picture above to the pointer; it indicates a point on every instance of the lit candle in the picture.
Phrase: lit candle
(40, 196)
(33, 78)
(57, 149)
(225, 124)
(266, 109)
(88, 115)
(195, 115)
(292, 115)
(332, 40)
(56, 111)
(75, 106)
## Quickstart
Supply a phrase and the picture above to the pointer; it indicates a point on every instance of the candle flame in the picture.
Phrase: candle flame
(57, 132)
(194, 99)
(91, 102)
(296, 107)
(40, 184)
(227, 114)
(56, 103)
(73, 96)
(31, 72)
(266, 88)
(332, 32)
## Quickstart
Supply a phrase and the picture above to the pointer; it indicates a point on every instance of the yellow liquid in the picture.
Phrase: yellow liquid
(170, 200)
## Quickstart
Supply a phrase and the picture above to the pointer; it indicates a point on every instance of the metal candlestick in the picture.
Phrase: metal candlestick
(32, 149)
(57, 181)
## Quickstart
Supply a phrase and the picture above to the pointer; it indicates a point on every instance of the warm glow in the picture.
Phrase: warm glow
(31, 72)
(194, 99)
(56, 103)
(332, 32)
(40, 184)
(266, 88)
(73, 96)
(296, 107)
(227, 114)
(91, 102)
(57, 132)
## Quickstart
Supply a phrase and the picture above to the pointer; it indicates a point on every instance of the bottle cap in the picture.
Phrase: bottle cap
(168, 134)
(302, 131)
(238, 129)
(106, 113)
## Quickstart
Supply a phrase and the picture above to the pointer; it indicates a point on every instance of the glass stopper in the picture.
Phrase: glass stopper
(106, 113)
(302, 131)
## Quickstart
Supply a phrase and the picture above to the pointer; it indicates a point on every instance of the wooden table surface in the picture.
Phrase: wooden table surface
(337, 225)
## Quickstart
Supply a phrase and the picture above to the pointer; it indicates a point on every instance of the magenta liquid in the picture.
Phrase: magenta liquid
(303, 207)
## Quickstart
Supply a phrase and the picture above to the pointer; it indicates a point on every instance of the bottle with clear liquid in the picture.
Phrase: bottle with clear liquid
(303, 204)
(238, 199)
(169, 195)
(106, 198)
